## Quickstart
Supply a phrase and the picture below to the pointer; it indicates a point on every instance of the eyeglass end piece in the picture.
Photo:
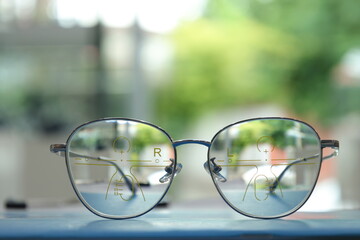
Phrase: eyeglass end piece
(333, 144)
(58, 149)
(330, 143)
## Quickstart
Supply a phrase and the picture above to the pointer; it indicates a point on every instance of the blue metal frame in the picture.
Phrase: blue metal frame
(60, 149)
(191, 141)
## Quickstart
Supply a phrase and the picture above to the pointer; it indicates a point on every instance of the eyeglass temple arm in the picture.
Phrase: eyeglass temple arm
(278, 178)
(333, 144)
(60, 150)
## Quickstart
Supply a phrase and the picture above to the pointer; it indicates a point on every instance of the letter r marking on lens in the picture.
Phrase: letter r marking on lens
(157, 151)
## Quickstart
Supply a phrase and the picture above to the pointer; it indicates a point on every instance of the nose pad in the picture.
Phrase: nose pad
(169, 171)
(215, 170)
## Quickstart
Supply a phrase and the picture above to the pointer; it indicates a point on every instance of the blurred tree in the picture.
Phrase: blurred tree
(225, 60)
(251, 51)
(326, 30)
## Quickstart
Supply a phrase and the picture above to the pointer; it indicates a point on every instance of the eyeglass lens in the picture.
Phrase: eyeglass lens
(266, 167)
(120, 168)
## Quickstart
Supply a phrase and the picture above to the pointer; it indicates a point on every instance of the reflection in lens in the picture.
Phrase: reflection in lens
(270, 166)
(116, 166)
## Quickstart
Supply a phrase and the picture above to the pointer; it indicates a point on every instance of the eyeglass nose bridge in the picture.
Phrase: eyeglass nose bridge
(191, 141)
(210, 168)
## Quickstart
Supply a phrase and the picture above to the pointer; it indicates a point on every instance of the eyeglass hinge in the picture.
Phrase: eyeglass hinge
(333, 144)
(329, 143)
(58, 149)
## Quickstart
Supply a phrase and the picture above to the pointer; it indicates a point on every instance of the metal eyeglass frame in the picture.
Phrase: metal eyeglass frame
(210, 166)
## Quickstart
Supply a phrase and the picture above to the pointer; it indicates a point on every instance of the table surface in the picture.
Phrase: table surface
(179, 223)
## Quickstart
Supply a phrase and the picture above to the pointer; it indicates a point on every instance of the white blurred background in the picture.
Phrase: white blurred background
(192, 67)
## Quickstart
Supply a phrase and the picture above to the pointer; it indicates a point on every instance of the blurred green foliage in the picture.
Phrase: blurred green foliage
(326, 30)
(148, 136)
(246, 52)
(278, 133)
(118, 136)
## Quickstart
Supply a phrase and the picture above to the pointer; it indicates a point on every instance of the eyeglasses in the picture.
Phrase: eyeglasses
(263, 168)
